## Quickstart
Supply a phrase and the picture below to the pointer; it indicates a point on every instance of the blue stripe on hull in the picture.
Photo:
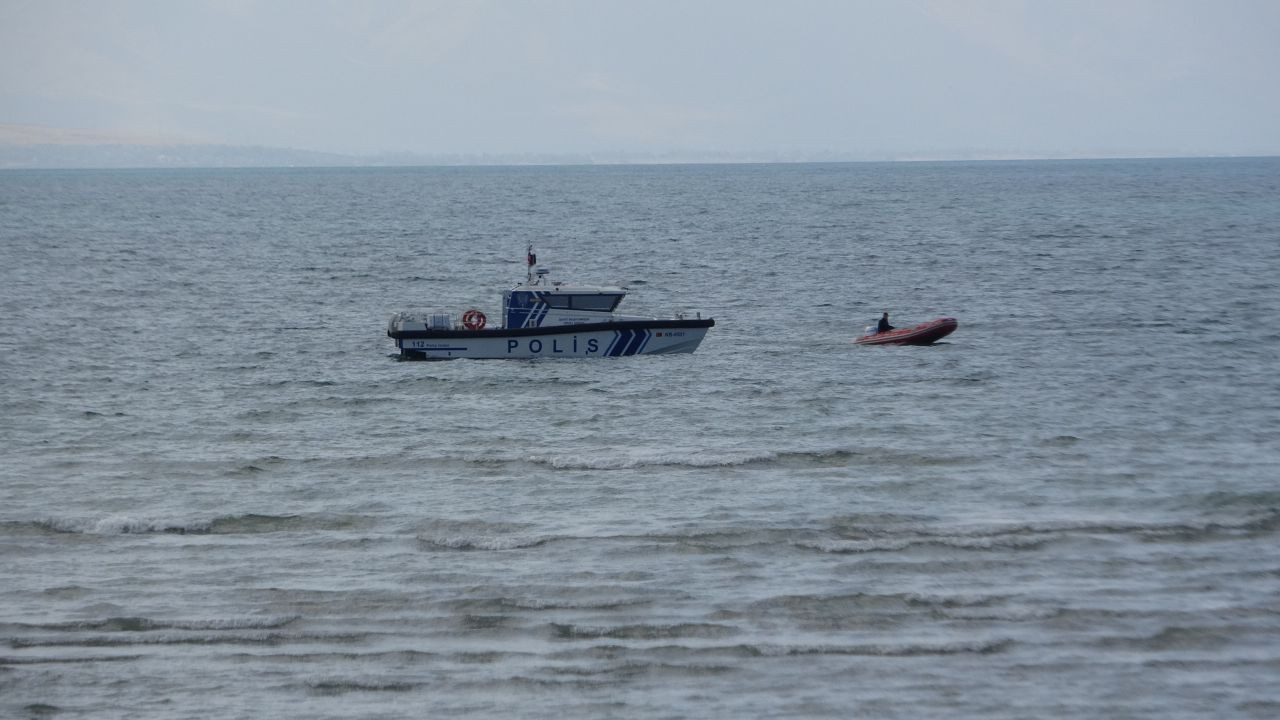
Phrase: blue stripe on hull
(617, 335)
(628, 342)
(624, 339)
(637, 340)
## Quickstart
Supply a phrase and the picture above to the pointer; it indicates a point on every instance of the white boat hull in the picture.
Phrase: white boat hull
(594, 340)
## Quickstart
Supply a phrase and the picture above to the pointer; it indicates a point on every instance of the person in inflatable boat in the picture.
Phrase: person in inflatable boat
(883, 325)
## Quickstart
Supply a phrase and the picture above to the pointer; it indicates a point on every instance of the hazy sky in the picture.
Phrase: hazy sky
(855, 77)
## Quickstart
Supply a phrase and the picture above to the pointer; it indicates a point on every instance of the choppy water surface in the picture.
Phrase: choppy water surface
(224, 497)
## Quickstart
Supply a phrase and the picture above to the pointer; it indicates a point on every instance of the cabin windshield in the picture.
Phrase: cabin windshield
(595, 302)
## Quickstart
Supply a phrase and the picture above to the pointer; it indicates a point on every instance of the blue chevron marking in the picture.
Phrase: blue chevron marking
(624, 337)
(637, 339)
(648, 335)
(617, 335)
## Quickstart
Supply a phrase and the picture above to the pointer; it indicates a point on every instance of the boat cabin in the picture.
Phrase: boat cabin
(538, 302)
(538, 305)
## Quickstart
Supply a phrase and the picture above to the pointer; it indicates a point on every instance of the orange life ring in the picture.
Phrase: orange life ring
(473, 319)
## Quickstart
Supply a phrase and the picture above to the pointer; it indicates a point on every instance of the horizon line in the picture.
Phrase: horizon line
(512, 160)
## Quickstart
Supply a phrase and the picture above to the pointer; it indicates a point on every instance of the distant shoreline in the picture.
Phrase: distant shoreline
(158, 157)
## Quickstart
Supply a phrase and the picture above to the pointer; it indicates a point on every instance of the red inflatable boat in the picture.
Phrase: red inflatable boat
(923, 334)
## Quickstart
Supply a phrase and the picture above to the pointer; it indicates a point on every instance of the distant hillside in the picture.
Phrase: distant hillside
(27, 135)
(36, 147)
(31, 146)
(54, 156)
(161, 156)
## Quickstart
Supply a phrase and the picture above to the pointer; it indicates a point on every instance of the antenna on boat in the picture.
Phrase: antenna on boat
(531, 260)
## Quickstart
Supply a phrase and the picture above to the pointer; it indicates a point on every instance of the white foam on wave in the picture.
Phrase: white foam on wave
(482, 542)
(124, 525)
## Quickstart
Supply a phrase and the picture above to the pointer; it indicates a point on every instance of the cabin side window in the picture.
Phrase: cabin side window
(596, 303)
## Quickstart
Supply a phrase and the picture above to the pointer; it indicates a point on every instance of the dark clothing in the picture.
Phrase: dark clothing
(883, 325)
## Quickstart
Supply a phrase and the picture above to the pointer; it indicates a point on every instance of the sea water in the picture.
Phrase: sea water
(221, 494)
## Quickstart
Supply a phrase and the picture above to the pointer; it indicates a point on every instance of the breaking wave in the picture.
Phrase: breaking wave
(695, 459)
(142, 624)
(442, 534)
(643, 632)
(182, 638)
(341, 686)
(489, 542)
(249, 523)
(635, 458)
(859, 536)
(781, 650)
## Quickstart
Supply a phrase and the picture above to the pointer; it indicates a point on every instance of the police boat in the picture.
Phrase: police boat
(546, 319)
